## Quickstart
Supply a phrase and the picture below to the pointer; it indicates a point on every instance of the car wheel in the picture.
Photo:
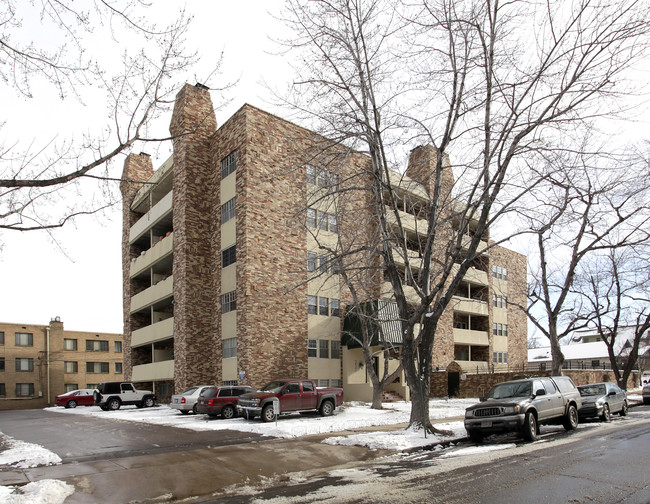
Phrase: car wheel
(646, 400)
(475, 436)
(267, 413)
(71, 404)
(113, 404)
(606, 416)
(104, 408)
(227, 412)
(194, 410)
(623, 411)
(570, 421)
(148, 402)
(529, 430)
(327, 408)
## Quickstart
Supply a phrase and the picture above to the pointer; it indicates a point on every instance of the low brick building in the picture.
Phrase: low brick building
(227, 266)
(39, 362)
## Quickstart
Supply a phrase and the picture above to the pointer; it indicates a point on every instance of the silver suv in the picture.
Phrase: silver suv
(522, 406)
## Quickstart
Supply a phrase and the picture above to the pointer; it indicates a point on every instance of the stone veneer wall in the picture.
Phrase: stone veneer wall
(193, 122)
(137, 169)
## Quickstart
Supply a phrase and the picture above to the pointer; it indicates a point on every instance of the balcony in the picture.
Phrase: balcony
(482, 245)
(473, 275)
(410, 293)
(470, 337)
(155, 371)
(409, 222)
(415, 260)
(162, 249)
(466, 305)
(152, 333)
(471, 367)
(151, 218)
(152, 295)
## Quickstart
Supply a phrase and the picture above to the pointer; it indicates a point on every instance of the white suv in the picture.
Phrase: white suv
(112, 395)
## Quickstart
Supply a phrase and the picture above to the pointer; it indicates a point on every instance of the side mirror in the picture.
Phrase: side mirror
(539, 392)
(482, 398)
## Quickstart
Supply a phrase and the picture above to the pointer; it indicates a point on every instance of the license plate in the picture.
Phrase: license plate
(486, 423)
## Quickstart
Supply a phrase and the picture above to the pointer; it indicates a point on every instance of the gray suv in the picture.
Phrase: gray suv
(522, 406)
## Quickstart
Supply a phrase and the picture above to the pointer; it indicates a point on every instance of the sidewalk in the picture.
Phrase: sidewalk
(203, 472)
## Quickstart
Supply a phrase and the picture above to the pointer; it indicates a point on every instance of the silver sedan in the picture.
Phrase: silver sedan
(186, 401)
(601, 400)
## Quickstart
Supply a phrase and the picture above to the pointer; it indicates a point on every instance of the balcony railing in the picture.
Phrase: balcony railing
(162, 249)
(152, 333)
(155, 293)
(152, 217)
(154, 371)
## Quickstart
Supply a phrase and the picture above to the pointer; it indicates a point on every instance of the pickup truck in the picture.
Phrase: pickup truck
(289, 396)
(522, 405)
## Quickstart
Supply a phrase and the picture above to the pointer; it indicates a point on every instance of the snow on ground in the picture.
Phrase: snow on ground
(350, 416)
(46, 491)
(23, 455)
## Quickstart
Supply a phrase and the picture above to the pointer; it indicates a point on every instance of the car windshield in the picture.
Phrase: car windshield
(273, 386)
(506, 390)
(190, 391)
(592, 390)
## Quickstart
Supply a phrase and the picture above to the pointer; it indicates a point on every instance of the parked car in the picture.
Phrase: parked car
(646, 394)
(186, 401)
(522, 406)
(221, 400)
(281, 397)
(112, 395)
(74, 398)
(601, 400)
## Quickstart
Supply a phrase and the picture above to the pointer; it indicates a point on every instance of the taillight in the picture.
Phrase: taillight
(210, 402)
(182, 400)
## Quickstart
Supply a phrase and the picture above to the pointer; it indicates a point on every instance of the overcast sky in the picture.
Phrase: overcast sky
(78, 277)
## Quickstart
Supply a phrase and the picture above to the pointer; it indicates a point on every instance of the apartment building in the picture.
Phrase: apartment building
(39, 362)
(228, 269)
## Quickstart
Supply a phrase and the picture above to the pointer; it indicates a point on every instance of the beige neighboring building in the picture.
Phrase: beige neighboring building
(39, 362)
(221, 245)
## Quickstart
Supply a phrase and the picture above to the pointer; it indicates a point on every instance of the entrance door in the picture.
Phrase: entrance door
(453, 384)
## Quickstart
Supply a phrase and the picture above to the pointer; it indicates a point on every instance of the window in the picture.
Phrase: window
(323, 263)
(336, 350)
(335, 311)
(323, 306)
(118, 347)
(228, 164)
(3, 391)
(2, 363)
(229, 302)
(96, 346)
(307, 386)
(311, 174)
(311, 261)
(334, 228)
(229, 348)
(336, 383)
(24, 339)
(499, 272)
(311, 348)
(324, 349)
(494, 357)
(323, 383)
(311, 217)
(70, 367)
(322, 221)
(499, 301)
(312, 305)
(91, 385)
(96, 367)
(228, 210)
(24, 364)
(69, 344)
(118, 368)
(505, 357)
(2, 338)
(228, 256)
(24, 389)
(321, 177)
(69, 387)
(500, 329)
(505, 329)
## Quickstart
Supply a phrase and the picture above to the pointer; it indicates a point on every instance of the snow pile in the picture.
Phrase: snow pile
(47, 491)
(23, 455)
(350, 416)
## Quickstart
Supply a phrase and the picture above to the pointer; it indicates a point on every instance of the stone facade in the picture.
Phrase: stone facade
(48, 366)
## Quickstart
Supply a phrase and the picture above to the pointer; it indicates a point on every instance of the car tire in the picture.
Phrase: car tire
(71, 404)
(607, 415)
(194, 410)
(646, 400)
(228, 412)
(326, 408)
(113, 404)
(104, 408)
(570, 420)
(623, 411)
(184, 412)
(267, 413)
(148, 402)
(529, 429)
(475, 436)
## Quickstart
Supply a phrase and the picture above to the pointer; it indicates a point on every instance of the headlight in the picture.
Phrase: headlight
(469, 413)
(511, 410)
(600, 402)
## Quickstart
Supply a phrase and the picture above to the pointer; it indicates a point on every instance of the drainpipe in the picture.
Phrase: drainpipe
(47, 363)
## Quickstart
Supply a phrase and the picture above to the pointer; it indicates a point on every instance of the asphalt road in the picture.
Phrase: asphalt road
(596, 464)
(77, 438)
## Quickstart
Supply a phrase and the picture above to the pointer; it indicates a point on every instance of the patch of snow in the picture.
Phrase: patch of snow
(47, 491)
(23, 455)
(475, 450)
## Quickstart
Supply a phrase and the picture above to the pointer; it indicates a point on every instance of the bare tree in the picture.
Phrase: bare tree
(614, 289)
(494, 87)
(48, 182)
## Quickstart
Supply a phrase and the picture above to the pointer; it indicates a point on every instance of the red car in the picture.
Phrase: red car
(221, 400)
(81, 397)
